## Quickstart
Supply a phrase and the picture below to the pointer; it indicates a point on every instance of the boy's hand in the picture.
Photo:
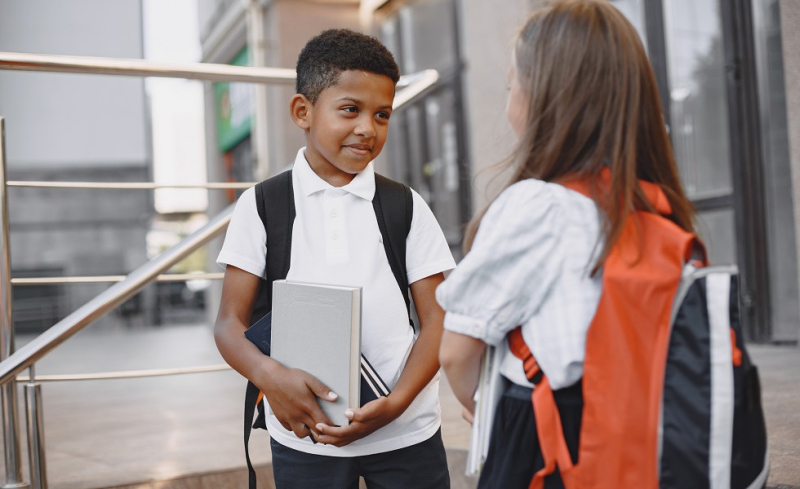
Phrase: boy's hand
(369, 418)
(292, 395)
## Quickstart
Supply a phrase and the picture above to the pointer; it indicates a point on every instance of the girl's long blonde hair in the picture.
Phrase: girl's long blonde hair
(593, 103)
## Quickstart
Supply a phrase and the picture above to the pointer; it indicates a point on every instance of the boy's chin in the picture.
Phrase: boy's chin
(355, 165)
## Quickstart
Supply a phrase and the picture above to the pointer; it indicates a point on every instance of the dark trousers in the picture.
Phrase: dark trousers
(514, 452)
(420, 466)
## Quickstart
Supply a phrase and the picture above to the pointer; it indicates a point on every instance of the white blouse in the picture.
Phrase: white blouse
(530, 265)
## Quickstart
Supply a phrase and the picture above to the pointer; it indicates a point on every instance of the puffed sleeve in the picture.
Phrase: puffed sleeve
(513, 262)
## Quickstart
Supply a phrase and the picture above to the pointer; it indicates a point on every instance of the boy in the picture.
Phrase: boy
(345, 88)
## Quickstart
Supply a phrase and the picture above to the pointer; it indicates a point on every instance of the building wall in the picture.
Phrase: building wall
(290, 24)
(74, 127)
(488, 34)
(58, 119)
(790, 30)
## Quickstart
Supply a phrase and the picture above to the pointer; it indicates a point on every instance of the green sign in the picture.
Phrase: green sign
(233, 104)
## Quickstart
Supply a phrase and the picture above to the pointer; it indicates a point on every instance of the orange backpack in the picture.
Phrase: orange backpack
(670, 397)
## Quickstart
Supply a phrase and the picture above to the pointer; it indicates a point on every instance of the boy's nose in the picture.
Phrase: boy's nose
(365, 128)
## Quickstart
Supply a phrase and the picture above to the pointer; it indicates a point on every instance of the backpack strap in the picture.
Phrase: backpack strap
(548, 420)
(520, 350)
(394, 209)
(274, 197)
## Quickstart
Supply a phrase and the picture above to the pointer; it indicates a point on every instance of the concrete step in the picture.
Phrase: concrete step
(237, 479)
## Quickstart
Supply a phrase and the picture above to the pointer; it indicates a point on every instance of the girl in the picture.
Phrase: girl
(584, 104)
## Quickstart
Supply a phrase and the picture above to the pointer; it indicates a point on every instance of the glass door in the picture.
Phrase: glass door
(720, 75)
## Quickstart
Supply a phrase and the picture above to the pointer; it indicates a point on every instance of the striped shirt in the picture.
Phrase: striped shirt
(530, 265)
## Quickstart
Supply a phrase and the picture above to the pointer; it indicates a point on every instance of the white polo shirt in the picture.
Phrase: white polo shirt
(336, 240)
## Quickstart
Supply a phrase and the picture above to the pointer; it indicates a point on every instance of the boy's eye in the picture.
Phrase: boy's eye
(383, 115)
(351, 109)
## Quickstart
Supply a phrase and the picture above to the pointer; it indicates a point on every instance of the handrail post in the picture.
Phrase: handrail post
(35, 423)
(256, 44)
(9, 390)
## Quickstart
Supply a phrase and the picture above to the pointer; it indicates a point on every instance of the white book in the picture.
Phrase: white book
(317, 328)
(490, 389)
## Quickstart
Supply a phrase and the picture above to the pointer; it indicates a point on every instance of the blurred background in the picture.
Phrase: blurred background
(727, 73)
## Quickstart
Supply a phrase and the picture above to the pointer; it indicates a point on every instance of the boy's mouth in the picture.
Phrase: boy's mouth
(359, 148)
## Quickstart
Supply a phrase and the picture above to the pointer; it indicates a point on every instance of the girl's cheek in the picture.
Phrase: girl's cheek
(515, 113)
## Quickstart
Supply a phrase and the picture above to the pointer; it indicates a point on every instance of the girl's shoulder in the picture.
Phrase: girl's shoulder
(535, 206)
(538, 192)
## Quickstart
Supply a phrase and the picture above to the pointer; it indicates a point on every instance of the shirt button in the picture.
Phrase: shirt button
(335, 236)
(333, 213)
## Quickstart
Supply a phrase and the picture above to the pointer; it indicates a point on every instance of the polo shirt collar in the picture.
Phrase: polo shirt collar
(362, 185)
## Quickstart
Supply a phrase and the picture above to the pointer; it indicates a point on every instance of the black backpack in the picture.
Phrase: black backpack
(393, 205)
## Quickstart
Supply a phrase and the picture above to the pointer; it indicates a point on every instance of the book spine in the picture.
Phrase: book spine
(355, 351)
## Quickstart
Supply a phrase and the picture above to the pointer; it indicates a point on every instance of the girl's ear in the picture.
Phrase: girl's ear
(300, 110)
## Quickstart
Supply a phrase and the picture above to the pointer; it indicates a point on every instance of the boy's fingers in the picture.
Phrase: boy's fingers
(331, 431)
(315, 415)
(313, 419)
(301, 430)
(329, 440)
(366, 412)
(321, 390)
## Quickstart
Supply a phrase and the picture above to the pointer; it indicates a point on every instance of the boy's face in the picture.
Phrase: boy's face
(347, 126)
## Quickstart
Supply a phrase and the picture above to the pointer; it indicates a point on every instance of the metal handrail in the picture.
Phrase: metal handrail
(128, 374)
(191, 71)
(104, 279)
(110, 298)
(141, 68)
(414, 86)
(130, 185)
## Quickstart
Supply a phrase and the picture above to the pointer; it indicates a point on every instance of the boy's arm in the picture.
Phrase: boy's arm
(461, 361)
(290, 392)
(421, 366)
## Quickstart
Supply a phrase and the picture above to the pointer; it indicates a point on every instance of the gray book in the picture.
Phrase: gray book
(317, 328)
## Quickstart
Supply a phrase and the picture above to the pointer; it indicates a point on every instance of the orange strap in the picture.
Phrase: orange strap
(548, 420)
(736, 352)
(518, 347)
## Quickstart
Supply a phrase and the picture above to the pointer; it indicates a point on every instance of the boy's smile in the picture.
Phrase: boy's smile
(347, 126)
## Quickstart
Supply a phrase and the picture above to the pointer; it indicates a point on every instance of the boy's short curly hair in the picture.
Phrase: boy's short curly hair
(333, 51)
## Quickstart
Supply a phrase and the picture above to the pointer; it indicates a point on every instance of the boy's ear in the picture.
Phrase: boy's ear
(300, 110)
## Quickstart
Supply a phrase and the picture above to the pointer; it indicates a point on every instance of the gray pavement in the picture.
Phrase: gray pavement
(185, 431)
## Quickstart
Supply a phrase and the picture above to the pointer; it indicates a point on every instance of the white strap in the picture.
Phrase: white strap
(721, 437)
